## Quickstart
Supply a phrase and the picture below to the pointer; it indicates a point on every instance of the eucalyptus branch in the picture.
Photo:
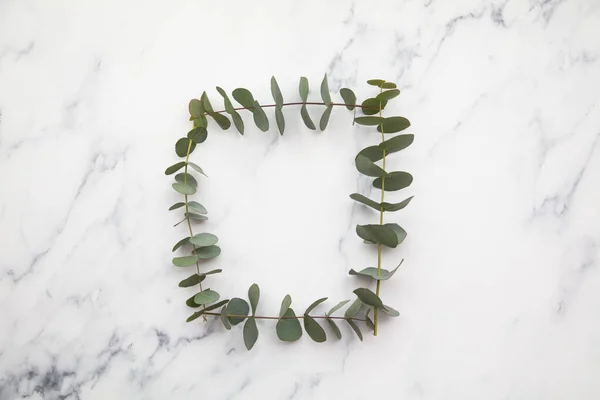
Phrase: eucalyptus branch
(298, 103)
(379, 246)
(284, 317)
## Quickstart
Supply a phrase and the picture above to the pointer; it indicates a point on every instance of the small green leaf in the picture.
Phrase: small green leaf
(337, 307)
(372, 106)
(373, 153)
(191, 281)
(185, 261)
(325, 118)
(195, 108)
(187, 179)
(204, 239)
(288, 328)
(206, 297)
(190, 303)
(369, 322)
(175, 167)
(206, 253)
(394, 181)
(226, 101)
(396, 143)
(314, 330)
(201, 122)
(184, 189)
(314, 304)
(349, 98)
(369, 121)
(334, 328)
(181, 243)
(244, 97)
(376, 82)
(238, 307)
(280, 120)
(250, 333)
(181, 147)
(195, 206)
(368, 297)
(254, 296)
(388, 94)
(211, 272)
(398, 230)
(196, 216)
(390, 311)
(306, 118)
(238, 122)
(396, 206)
(276, 93)
(365, 200)
(216, 305)
(198, 135)
(388, 85)
(176, 206)
(224, 319)
(194, 316)
(367, 167)
(325, 91)
(371, 272)
(355, 328)
(206, 103)
(221, 120)
(393, 125)
(260, 118)
(303, 89)
(379, 234)
(353, 309)
(285, 304)
(197, 168)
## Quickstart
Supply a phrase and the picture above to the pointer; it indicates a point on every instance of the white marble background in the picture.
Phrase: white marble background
(500, 289)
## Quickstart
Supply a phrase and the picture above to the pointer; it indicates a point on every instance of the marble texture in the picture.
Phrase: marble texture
(500, 289)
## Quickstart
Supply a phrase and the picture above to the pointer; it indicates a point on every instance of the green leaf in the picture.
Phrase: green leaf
(372, 106)
(325, 118)
(201, 122)
(204, 239)
(238, 122)
(394, 181)
(216, 305)
(396, 206)
(194, 316)
(237, 306)
(371, 272)
(314, 330)
(181, 147)
(379, 234)
(254, 296)
(376, 82)
(244, 97)
(369, 322)
(191, 281)
(206, 253)
(198, 135)
(195, 108)
(367, 167)
(334, 328)
(288, 328)
(353, 309)
(313, 305)
(181, 243)
(197, 168)
(390, 311)
(276, 93)
(337, 307)
(176, 206)
(185, 261)
(226, 101)
(368, 297)
(224, 319)
(206, 297)
(250, 333)
(349, 98)
(186, 179)
(325, 91)
(355, 328)
(184, 189)
(306, 118)
(303, 89)
(206, 103)
(260, 118)
(175, 167)
(195, 206)
(393, 125)
(373, 153)
(196, 216)
(223, 122)
(369, 121)
(285, 304)
(388, 85)
(211, 272)
(388, 94)
(400, 233)
(190, 303)
(280, 120)
(396, 143)
(365, 200)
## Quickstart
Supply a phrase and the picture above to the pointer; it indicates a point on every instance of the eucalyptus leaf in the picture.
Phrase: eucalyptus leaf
(216, 305)
(353, 309)
(254, 296)
(181, 243)
(175, 167)
(193, 316)
(396, 206)
(250, 333)
(355, 328)
(394, 181)
(238, 307)
(211, 272)
(393, 125)
(366, 201)
(372, 106)
(398, 230)
(288, 328)
(369, 322)
(325, 91)
(224, 319)
(244, 97)
(379, 234)
(192, 280)
(186, 179)
(223, 122)
(201, 122)
(303, 89)
(206, 103)
(334, 328)
(373, 153)
(376, 82)
(226, 101)
(369, 121)
(368, 297)
(349, 98)
(176, 206)
(367, 167)
(371, 272)
(388, 94)
(306, 117)
(280, 120)
(260, 118)
(314, 330)
(285, 304)
(238, 122)
(197, 207)
(277, 96)
(206, 253)
(190, 303)
(206, 297)
(337, 307)
(197, 168)
(181, 147)
(195, 108)
(198, 135)
(203, 239)
(196, 216)
(390, 311)
(397, 143)
(183, 188)
(389, 85)
(314, 304)
(325, 118)
(185, 261)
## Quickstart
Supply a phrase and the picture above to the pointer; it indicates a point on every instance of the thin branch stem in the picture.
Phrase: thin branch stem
(288, 317)
(377, 289)
(298, 103)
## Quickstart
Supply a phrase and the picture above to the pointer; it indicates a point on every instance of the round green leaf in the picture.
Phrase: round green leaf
(183, 188)
(254, 296)
(367, 167)
(238, 122)
(201, 122)
(206, 297)
(337, 307)
(196, 216)
(192, 280)
(280, 120)
(187, 179)
(197, 207)
(349, 98)
(176, 206)
(303, 88)
(369, 121)
(181, 147)
(379, 234)
(314, 330)
(260, 118)
(224, 319)
(203, 239)
(244, 97)
(353, 309)
(334, 328)
(314, 304)
(185, 261)
(325, 118)
(195, 108)
(277, 96)
(388, 94)
(206, 253)
(388, 85)
(288, 328)
(190, 302)
(373, 153)
(396, 143)
(368, 297)
(355, 328)
(221, 120)
(175, 167)
(394, 181)
(376, 82)
(181, 243)
(198, 135)
(393, 125)
(398, 230)
(372, 106)
(390, 311)
(250, 333)
(238, 307)
(306, 117)
(285, 304)
(325, 91)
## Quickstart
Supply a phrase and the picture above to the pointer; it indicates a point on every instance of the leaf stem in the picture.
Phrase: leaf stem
(299, 103)
(377, 289)
(288, 317)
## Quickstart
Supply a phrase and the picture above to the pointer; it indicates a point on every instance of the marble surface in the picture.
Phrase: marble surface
(500, 289)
